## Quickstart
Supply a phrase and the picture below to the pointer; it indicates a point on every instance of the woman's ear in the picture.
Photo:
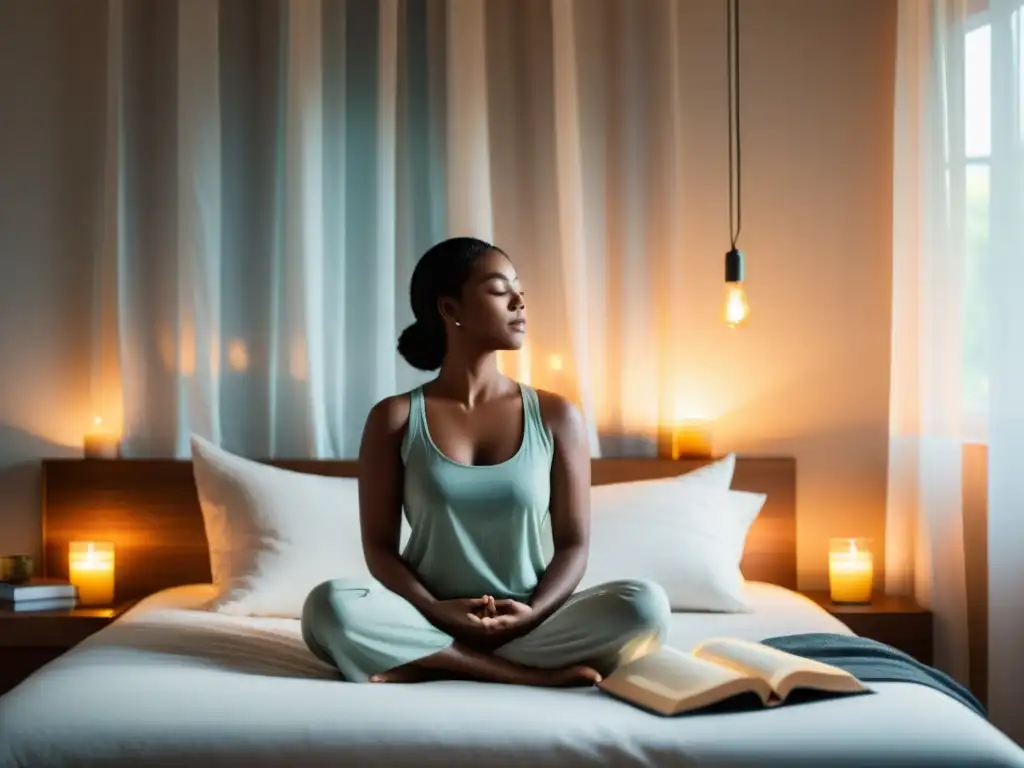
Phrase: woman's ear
(449, 309)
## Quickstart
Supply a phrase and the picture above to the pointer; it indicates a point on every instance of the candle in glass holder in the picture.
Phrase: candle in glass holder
(91, 570)
(685, 439)
(850, 571)
(691, 439)
(100, 443)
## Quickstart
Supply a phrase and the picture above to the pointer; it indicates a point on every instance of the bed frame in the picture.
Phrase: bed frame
(150, 510)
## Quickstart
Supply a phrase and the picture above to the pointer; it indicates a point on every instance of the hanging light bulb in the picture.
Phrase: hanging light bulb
(737, 310)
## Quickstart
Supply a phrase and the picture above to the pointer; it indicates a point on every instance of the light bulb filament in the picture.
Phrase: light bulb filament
(737, 310)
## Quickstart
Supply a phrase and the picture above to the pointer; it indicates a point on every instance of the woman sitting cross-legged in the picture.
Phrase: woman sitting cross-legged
(494, 477)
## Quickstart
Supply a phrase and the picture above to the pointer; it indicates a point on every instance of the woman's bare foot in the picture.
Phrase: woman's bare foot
(406, 674)
(566, 677)
(458, 662)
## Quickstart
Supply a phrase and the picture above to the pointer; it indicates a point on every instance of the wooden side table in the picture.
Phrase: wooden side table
(891, 619)
(30, 639)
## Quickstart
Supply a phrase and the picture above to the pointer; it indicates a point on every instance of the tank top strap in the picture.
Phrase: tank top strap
(535, 429)
(415, 429)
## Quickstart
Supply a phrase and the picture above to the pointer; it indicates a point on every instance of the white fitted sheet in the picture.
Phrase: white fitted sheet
(170, 684)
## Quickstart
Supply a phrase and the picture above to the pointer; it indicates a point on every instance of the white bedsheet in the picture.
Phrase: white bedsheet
(172, 685)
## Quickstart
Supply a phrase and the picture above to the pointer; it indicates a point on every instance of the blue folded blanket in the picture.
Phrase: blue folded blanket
(871, 661)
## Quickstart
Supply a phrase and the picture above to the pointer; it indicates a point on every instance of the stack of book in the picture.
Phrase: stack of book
(37, 595)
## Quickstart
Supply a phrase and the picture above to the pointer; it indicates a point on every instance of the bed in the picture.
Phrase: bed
(172, 684)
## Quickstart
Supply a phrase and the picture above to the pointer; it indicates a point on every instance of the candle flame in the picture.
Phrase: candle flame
(684, 413)
(238, 355)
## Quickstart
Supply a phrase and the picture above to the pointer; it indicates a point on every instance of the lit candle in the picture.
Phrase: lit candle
(91, 569)
(685, 438)
(850, 571)
(100, 444)
(691, 439)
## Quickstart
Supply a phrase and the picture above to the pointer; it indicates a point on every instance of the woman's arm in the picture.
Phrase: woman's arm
(570, 506)
(381, 480)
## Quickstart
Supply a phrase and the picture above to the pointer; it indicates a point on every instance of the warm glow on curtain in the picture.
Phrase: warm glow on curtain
(274, 170)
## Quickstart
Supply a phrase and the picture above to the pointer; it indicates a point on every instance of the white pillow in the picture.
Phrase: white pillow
(718, 473)
(688, 538)
(274, 534)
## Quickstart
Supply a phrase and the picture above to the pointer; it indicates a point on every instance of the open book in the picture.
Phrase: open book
(671, 682)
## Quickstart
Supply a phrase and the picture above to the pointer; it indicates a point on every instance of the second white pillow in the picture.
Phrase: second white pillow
(687, 537)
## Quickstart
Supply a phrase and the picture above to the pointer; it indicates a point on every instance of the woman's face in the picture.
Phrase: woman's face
(491, 310)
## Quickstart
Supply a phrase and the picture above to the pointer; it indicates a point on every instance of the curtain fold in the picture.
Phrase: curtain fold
(572, 246)
(199, 288)
(106, 391)
(274, 169)
(924, 525)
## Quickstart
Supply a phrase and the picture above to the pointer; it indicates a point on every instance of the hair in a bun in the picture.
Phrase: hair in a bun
(422, 346)
(440, 272)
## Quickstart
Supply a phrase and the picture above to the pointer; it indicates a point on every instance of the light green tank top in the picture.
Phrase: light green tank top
(478, 530)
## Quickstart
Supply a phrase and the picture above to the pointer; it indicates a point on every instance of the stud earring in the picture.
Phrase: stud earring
(458, 324)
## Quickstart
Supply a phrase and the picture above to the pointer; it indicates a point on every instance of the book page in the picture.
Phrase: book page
(669, 681)
(782, 671)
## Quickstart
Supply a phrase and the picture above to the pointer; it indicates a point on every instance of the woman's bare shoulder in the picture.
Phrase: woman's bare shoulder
(390, 415)
(559, 413)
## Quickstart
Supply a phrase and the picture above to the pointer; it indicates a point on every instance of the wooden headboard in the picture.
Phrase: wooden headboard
(150, 510)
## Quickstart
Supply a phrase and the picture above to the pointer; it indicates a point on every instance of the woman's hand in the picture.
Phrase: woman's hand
(461, 618)
(483, 622)
(505, 620)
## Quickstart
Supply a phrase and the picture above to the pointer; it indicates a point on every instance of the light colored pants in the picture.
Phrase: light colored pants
(364, 629)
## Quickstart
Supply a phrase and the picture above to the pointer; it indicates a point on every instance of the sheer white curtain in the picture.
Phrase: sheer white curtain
(275, 168)
(924, 527)
(957, 375)
(1005, 276)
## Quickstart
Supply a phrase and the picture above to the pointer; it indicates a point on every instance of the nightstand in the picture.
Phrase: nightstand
(891, 619)
(30, 639)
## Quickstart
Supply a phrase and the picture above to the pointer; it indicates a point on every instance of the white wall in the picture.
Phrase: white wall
(809, 377)
(51, 64)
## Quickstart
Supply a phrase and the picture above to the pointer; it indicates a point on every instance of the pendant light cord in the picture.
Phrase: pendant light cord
(733, 69)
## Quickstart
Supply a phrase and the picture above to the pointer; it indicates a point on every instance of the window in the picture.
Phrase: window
(988, 64)
(978, 140)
